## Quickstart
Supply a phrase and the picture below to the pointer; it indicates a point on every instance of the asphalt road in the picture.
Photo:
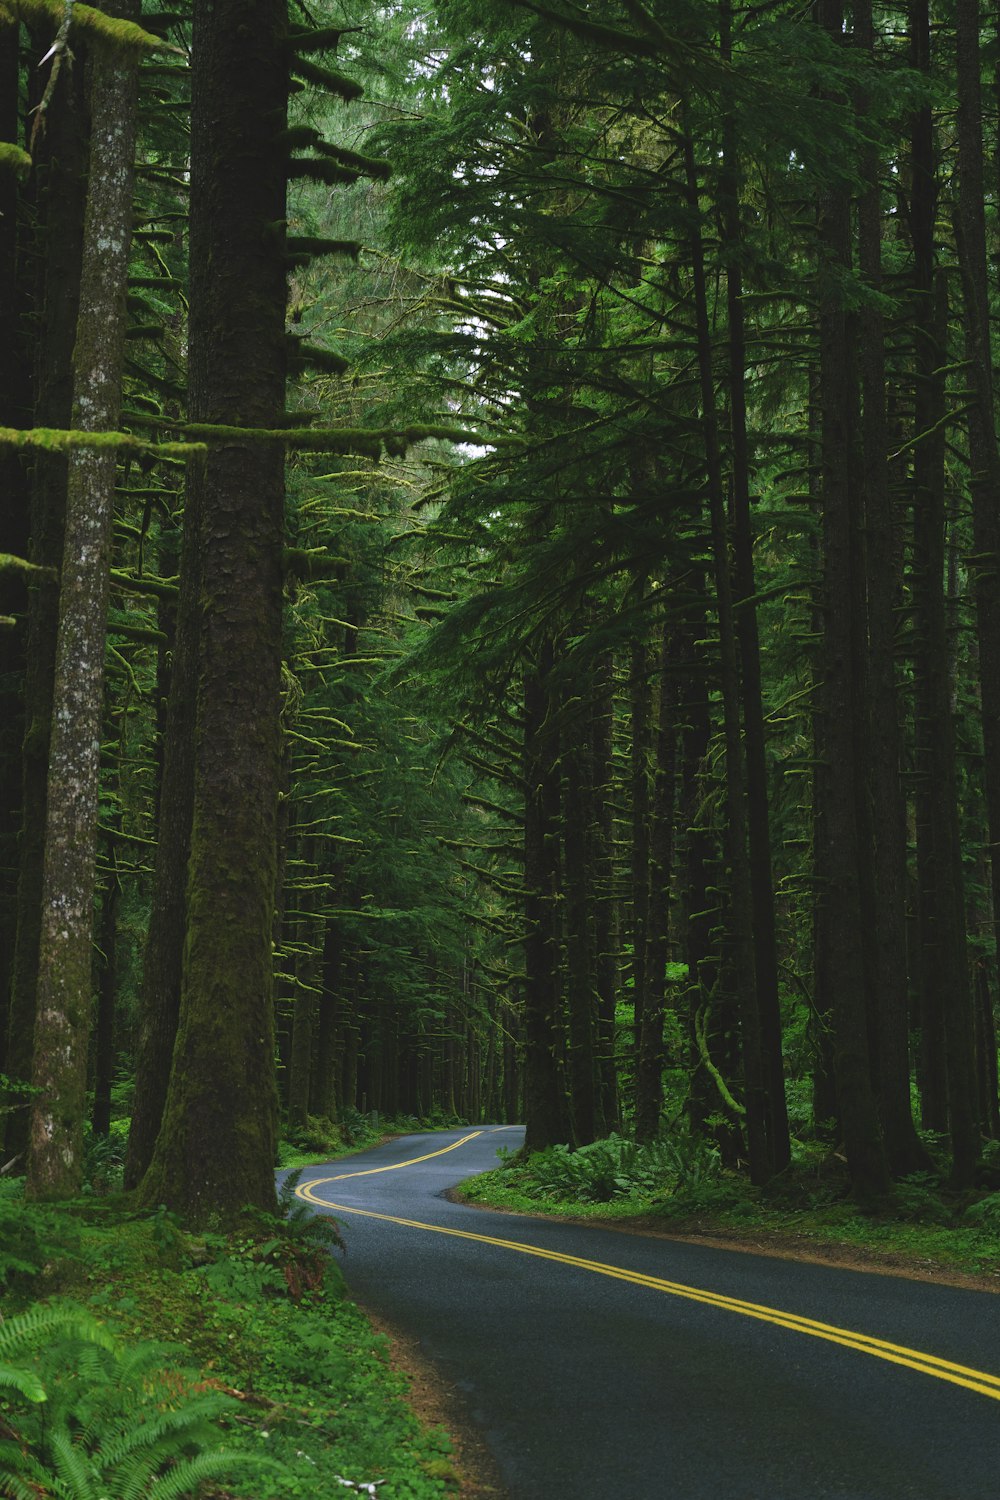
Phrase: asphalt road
(601, 1364)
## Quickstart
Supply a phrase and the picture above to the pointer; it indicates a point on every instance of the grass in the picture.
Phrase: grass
(806, 1210)
(313, 1410)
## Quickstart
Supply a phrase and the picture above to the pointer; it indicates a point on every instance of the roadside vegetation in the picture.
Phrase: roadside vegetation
(137, 1357)
(678, 1184)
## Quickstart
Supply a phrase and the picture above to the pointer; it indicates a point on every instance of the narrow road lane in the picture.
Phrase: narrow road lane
(596, 1363)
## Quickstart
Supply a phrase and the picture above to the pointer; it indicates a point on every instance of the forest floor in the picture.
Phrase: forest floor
(320, 1401)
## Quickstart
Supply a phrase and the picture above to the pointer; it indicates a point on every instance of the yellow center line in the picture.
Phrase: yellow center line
(396, 1166)
(969, 1379)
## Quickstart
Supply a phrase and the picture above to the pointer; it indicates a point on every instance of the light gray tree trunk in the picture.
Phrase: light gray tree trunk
(55, 1151)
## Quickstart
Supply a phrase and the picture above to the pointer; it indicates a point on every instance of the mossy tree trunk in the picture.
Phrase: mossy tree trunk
(14, 534)
(59, 191)
(215, 1152)
(840, 851)
(160, 994)
(59, 1072)
(546, 1109)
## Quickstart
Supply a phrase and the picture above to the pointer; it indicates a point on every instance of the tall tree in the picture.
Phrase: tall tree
(59, 1072)
(215, 1150)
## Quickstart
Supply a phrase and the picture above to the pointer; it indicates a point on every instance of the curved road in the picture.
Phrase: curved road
(596, 1363)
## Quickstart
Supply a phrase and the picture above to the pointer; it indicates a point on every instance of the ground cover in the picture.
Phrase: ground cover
(680, 1188)
(199, 1365)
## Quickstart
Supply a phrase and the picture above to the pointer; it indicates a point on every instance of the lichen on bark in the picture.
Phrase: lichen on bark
(55, 1147)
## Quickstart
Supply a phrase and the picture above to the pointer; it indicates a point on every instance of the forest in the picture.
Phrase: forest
(501, 583)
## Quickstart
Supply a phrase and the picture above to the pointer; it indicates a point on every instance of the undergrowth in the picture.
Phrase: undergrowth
(679, 1182)
(138, 1359)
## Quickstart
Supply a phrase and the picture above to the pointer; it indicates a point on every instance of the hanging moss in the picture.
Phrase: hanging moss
(376, 167)
(162, 588)
(11, 564)
(95, 22)
(303, 247)
(61, 440)
(324, 39)
(303, 356)
(321, 169)
(13, 159)
(326, 78)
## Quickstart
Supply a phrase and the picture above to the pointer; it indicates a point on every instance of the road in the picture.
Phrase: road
(596, 1363)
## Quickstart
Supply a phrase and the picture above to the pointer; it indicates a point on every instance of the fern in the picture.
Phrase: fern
(120, 1424)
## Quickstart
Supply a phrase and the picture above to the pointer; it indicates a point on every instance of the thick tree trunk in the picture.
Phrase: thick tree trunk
(741, 967)
(581, 996)
(602, 867)
(640, 723)
(106, 987)
(546, 1111)
(160, 994)
(650, 1057)
(761, 876)
(881, 738)
(14, 520)
(59, 1073)
(984, 484)
(61, 187)
(215, 1152)
(840, 854)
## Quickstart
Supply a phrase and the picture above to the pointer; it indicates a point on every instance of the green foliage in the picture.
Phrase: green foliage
(616, 1168)
(117, 1422)
(32, 1236)
(22, 1336)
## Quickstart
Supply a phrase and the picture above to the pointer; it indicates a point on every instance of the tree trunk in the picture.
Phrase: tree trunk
(160, 993)
(580, 992)
(61, 189)
(984, 485)
(881, 738)
(741, 967)
(840, 854)
(650, 1058)
(760, 875)
(602, 866)
(546, 1114)
(215, 1152)
(55, 1152)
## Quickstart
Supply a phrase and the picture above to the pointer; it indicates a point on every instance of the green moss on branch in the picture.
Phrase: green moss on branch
(94, 22)
(61, 440)
(13, 159)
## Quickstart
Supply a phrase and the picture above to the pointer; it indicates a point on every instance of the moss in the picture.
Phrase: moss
(95, 22)
(321, 169)
(13, 159)
(307, 246)
(62, 439)
(326, 78)
(302, 356)
(11, 564)
(324, 39)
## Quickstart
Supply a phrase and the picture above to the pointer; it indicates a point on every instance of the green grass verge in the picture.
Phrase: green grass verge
(925, 1231)
(312, 1398)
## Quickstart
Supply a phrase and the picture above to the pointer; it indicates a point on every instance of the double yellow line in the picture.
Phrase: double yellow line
(969, 1379)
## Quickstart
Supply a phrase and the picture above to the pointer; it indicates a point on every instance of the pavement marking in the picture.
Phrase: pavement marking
(396, 1166)
(969, 1379)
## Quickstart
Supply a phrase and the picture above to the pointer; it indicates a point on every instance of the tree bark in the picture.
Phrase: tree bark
(60, 194)
(59, 1073)
(742, 966)
(215, 1151)
(840, 855)
(546, 1113)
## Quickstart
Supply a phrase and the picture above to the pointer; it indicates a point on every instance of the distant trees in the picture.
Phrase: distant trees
(630, 759)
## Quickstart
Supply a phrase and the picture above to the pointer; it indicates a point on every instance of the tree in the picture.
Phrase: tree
(55, 1157)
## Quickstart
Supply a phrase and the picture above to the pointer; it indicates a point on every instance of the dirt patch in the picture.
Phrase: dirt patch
(779, 1244)
(439, 1404)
